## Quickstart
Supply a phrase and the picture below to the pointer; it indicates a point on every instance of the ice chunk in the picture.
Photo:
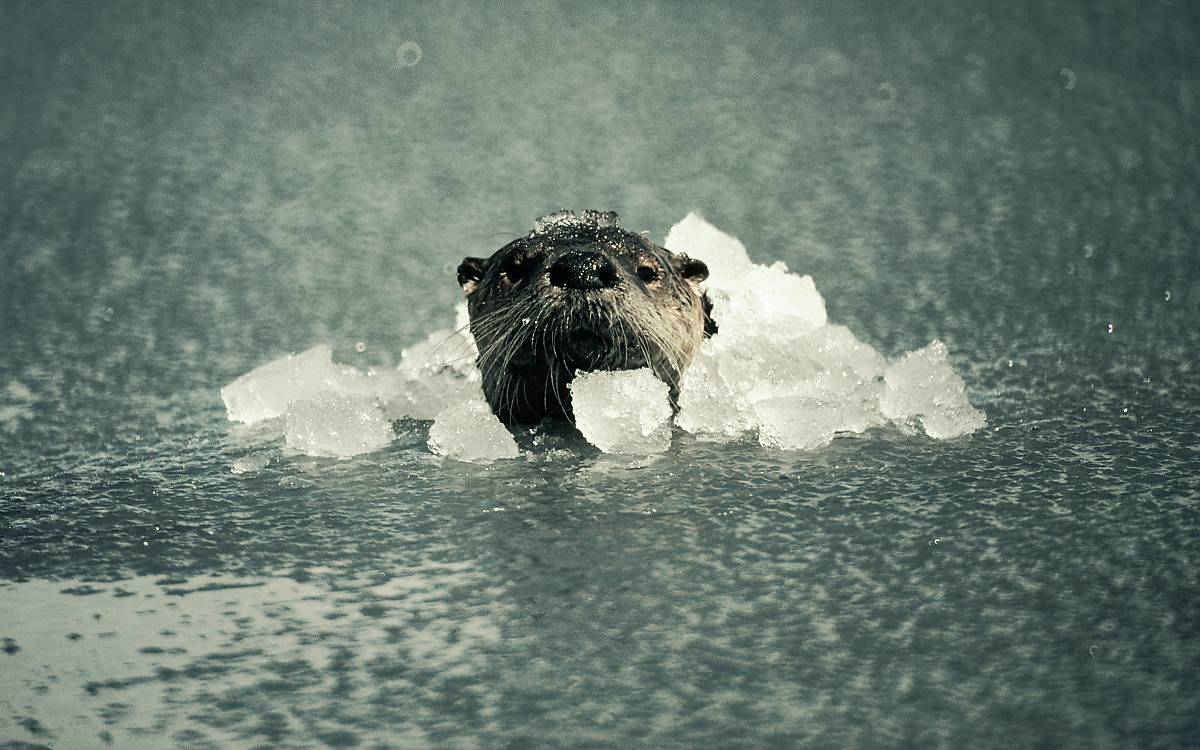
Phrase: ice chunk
(804, 423)
(708, 405)
(748, 299)
(836, 348)
(381, 384)
(469, 431)
(767, 302)
(432, 374)
(265, 391)
(923, 387)
(425, 399)
(732, 387)
(779, 368)
(725, 255)
(333, 424)
(625, 411)
(436, 373)
(444, 351)
(796, 423)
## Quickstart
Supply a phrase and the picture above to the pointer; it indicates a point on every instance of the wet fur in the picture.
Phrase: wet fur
(533, 336)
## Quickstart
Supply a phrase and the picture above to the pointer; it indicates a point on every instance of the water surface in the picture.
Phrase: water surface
(187, 191)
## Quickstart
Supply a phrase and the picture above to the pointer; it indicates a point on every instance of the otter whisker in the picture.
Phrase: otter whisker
(574, 295)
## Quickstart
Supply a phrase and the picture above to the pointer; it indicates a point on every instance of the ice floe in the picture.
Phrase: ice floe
(777, 371)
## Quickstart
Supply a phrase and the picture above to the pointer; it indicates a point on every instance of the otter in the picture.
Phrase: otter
(580, 293)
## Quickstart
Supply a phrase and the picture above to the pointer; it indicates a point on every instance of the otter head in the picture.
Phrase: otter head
(580, 293)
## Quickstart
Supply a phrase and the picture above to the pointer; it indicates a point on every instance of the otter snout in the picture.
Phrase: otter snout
(583, 269)
(579, 293)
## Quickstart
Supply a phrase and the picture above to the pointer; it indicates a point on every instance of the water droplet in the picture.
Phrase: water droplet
(360, 347)
(408, 54)
(1089, 250)
(1068, 76)
(1111, 327)
(1167, 295)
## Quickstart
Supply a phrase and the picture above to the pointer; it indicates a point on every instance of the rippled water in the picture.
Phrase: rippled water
(187, 191)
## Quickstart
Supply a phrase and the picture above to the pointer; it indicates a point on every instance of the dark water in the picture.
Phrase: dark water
(188, 190)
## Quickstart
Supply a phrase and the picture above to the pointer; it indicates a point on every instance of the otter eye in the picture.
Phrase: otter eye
(515, 267)
(647, 274)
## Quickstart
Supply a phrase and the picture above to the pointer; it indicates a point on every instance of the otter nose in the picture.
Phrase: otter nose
(582, 269)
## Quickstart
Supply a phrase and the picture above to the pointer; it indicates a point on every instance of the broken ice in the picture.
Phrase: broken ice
(776, 370)
(334, 424)
(329, 410)
(337, 410)
(265, 392)
(437, 372)
(779, 370)
(923, 387)
(432, 374)
(624, 411)
(469, 431)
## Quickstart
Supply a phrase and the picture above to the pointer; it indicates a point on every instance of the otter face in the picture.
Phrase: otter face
(579, 293)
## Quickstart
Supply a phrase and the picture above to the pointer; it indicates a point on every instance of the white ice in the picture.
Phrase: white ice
(777, 369)
(626, 411)
(437, 372)
(337, 410)
(337, 424)
(922, 387)
(328, 409)
(265, 392)
(469, 431)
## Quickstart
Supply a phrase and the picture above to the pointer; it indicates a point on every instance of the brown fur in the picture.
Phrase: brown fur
(579, 293)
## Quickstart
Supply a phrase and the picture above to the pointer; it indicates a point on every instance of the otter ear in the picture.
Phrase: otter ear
(693, 270)
(470, 273)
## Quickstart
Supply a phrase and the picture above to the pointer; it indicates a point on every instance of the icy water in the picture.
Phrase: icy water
(189, 190)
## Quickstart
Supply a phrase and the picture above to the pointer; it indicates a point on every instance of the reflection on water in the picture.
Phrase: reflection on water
(208, 662)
